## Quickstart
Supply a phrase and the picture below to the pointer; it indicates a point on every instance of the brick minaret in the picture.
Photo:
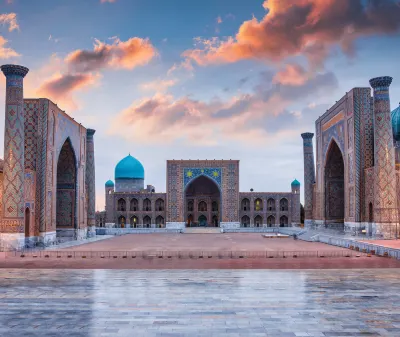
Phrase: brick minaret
(295, 203)
(12, 225)
(90, 180)
(309, 174)
(385, 199)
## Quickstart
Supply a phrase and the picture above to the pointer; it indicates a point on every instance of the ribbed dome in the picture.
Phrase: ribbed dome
(109, 183)
(396, 123)
(129, 168)
(295, 183)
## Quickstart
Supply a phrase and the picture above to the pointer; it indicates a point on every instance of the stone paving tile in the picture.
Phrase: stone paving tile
(272, 303)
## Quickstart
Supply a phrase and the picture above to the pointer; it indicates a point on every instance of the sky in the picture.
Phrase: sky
(210, 79)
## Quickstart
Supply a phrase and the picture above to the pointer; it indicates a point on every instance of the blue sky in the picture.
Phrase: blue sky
(200, 79)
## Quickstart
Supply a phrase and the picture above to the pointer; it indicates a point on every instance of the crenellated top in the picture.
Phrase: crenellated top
(13, 69)
(384, 81)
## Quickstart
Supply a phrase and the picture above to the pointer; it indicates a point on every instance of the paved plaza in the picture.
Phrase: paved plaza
(328, 303)
(202, 242)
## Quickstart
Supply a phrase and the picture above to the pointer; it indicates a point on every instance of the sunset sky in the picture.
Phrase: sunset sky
(209, 79)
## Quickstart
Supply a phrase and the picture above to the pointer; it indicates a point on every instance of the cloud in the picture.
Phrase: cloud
(292, 74)
(126, 55)
(301, 27)
(264, 113)
(9, 19)
(5, 52)
(159, 85)
(61, 87)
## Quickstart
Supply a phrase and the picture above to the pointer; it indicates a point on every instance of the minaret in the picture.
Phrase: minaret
(109, 189)
(309, 175)
(90, 182)
(295, 202)
(12, 226)
(385, 199)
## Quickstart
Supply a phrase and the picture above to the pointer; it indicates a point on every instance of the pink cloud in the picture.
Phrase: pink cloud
(295, 27)
(5, 52)
(292, 74)
(120, 54)
(9, 19)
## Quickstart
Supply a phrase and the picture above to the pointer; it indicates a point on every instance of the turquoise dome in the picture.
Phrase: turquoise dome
(109, 183)
(129, 168)
(396, 123)
(295, 183)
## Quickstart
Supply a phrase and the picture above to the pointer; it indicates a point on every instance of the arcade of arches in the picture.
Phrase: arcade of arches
(202, 200)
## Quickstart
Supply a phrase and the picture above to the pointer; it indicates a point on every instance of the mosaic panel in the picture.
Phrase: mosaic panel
(90, 178)
(190, 174)
(31, 109)
(65, 215)
(336, 132)
(385, 194)
(309, 174)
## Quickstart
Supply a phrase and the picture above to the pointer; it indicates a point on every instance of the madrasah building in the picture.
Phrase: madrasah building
(355, 184)
(47, 177)
(200, 193)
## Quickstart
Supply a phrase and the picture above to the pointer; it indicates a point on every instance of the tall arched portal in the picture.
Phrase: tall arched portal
(334, 187)
(205, 195)
(66, 191)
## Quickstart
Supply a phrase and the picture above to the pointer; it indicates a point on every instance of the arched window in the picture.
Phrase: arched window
(134, 221)
(147, 221)
(258, 205)
(134, 205)
(283, 221)
(245, 221)
(202, 206)
(214, 206)
(284, 205)
(258, 221)
(121, 221)
(245, 204)
(271, 205)
(271, 221)
(27, 221)
(160, 205)
(190, 206)
(159, 222)
(121, 205)
(146, 205)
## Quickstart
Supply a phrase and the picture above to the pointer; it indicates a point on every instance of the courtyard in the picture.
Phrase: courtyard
(205, 303)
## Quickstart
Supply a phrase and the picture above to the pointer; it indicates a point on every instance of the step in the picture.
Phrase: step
(202, 230)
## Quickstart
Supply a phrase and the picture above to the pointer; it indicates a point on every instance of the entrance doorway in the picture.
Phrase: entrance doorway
(202, 203)
(27, 221)
(334, 188)
(66, 190)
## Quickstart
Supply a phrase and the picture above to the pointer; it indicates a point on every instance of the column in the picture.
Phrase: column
(309, 176)
(12, 225)
(90, 182)
(385, 199)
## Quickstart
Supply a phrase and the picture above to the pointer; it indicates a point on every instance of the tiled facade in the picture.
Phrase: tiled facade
(52, 151)
(197, 191)
(355, 179)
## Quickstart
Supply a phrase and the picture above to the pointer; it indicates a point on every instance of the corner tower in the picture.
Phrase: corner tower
(295, 202)
(12, 224)
(385, 198)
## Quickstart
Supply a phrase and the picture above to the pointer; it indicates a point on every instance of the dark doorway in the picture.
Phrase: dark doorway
(27, 222)
(66, 190)
(334, 187)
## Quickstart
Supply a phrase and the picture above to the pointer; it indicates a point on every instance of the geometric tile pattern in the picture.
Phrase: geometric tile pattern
(309, 303)
(385, 195)
(224, 172)
(31, 110)
(309, 173)
(14, 169)
(90, 178)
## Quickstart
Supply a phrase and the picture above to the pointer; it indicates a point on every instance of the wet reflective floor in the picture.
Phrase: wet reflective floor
(276, 303)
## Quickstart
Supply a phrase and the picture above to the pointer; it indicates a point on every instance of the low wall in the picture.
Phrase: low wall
(346, 243)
